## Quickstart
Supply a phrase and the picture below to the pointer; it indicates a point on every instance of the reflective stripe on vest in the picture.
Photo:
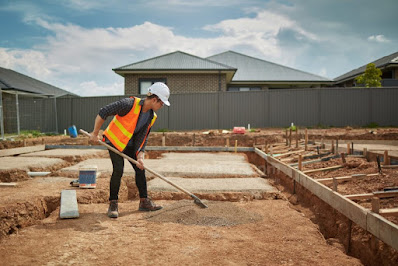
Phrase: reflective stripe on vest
(147, 132)
(121, 128)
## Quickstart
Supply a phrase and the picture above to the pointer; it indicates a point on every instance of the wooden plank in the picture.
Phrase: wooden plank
(289, 153)
(69, 207)
(21, 150)
(344, 178)
(389, 166)
(323, 169)
(8, 184)
(388, 212)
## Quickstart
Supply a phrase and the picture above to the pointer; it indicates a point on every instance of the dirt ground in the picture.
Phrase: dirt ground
(245, 232)
(259, 233)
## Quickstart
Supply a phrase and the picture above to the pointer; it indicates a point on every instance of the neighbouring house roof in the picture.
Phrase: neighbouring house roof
(250, 69)
(14, 81)
(391, 59)
(175, 61)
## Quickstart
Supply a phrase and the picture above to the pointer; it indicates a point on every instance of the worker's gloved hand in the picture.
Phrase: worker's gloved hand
(94, 138)
(140, 160)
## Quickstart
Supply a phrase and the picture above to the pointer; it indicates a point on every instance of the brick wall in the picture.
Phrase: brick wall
(178, 83)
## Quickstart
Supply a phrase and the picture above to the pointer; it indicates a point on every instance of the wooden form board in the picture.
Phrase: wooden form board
(345, 178)
(371, 195)
(8, 184)
(21, 150)
(372, 222)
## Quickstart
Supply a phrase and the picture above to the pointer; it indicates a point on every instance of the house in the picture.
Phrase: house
(257, 74)
(13, 82)
(228, 71)
(388, 66)
(15, 89)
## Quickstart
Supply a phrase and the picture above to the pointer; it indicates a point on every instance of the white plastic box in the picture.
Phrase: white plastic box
(88, 176)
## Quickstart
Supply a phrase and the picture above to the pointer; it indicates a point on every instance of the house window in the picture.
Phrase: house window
(387, 74)
(244, 89)
(145, 83)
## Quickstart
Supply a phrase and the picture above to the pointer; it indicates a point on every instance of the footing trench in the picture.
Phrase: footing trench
(359, 229)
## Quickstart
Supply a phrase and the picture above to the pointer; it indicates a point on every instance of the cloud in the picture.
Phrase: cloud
(79, 58)
(91, 88)
(378, 38)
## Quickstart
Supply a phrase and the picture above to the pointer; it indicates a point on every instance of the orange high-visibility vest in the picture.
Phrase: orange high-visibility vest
(121, 129)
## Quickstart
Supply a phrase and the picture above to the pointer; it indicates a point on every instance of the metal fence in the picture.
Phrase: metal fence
(223, 110)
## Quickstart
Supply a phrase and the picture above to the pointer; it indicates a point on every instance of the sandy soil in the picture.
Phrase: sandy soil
(142, 239)
(252, 232)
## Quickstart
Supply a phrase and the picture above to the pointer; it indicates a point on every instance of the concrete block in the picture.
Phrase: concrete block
(69, 208)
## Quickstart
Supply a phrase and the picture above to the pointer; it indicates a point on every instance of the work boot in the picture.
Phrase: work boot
(113, 209)
(148, 205)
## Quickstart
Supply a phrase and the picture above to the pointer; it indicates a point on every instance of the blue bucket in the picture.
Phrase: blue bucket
(72, 131)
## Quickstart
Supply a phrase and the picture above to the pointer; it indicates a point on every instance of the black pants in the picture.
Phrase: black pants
(118, 167)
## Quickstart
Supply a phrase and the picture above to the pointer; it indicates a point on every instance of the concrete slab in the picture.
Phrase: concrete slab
(14, 151)
(205, 156)
(59, 153)
(183, 165)
(212, 185)
(23, 163)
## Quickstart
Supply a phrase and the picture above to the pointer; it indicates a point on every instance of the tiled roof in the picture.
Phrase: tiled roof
(12, 80)
(254, 69)
(386, 60)
(175, 61)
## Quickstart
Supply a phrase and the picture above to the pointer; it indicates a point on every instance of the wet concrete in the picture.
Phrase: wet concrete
(210, 185)
(60, 153)
(183, 165)
(24, 163)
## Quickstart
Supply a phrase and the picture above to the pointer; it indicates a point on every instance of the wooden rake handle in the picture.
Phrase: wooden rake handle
(135, 162)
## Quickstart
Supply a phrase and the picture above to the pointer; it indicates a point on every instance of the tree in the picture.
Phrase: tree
(371, 77)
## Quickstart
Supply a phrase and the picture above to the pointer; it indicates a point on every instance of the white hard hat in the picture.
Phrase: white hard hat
(162, 91)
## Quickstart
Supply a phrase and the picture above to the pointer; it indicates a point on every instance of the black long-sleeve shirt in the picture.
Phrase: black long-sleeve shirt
(122, 108)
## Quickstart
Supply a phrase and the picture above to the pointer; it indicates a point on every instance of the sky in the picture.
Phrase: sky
(75, 44)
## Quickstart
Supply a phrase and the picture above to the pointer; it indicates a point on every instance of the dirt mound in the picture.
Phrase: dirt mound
(217, 214)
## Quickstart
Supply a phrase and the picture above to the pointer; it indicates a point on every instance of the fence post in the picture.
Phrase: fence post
(17, 107)
(1, 114)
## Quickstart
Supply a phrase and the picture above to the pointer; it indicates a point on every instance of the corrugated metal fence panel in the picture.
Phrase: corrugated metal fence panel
(341, 107)
(81, 112)
(384, 106)
(37, 114)
(193, 111)
(294, 106)
(243, 108)
(273, 108)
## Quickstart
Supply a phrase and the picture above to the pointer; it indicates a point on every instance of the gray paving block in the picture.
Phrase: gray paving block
(69, 208)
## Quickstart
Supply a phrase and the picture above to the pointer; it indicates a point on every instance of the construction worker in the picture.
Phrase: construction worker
(128, 132)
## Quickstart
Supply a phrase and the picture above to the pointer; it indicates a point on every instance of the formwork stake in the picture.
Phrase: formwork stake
(378, 163)
(236, 146)
(297, 137)
(348, 148)
(386, 158)
(349, 236)
(343, 157)
(375, 205)
(300, 162)
(334, 184)
(287, 141)
(306, 139)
